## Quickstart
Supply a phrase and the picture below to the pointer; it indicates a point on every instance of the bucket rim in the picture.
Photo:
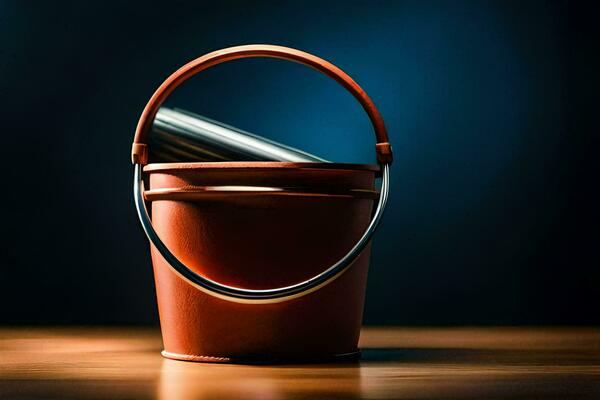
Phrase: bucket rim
(266, 165)
(219, 192)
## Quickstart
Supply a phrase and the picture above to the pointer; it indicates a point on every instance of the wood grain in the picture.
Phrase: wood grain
(397, 363)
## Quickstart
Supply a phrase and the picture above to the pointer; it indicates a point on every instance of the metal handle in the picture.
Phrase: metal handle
(242, 295)
(140, 152)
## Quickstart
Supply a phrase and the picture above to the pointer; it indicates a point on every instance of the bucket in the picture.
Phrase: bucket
(260, 261)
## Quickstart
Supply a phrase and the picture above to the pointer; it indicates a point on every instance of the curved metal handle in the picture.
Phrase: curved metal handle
(140, 158)
(242, 295)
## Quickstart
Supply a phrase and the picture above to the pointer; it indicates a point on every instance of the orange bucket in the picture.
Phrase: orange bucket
(260, 261)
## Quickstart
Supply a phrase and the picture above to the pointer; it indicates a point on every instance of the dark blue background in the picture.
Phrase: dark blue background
(493, 213)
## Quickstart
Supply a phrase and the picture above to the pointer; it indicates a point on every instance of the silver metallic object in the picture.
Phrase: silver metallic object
(179, 135)
(254, 295)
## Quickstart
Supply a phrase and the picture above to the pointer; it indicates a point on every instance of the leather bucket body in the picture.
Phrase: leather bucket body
(260, 225)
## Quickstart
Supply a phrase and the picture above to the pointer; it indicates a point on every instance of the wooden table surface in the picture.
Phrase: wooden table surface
(397, 363)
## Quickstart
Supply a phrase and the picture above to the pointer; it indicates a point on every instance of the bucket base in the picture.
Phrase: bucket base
(346, 357)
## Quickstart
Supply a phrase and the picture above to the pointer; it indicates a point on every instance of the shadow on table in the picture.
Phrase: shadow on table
(507, 356)
(423, 355)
